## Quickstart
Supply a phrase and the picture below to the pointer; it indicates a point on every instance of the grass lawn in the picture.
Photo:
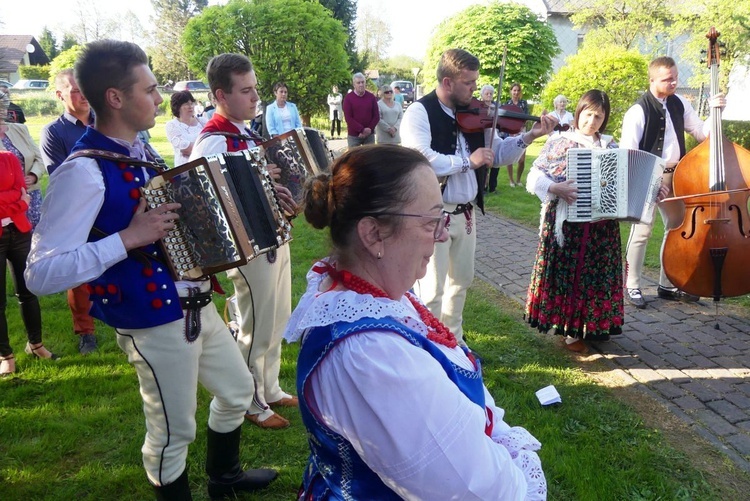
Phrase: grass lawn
(73, 429)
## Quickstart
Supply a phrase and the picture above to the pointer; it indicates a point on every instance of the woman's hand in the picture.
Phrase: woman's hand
(663, 193)
(30, 180)
(25, 196)
(565, 190)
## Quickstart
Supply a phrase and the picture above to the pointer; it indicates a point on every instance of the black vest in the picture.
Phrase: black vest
(653, 131)
(444, 132)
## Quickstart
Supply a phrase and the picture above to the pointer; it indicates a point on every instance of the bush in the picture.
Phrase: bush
(37, 103)
(34, 72)
(622, 74)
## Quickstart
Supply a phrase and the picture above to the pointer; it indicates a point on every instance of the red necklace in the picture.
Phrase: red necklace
(437, 332)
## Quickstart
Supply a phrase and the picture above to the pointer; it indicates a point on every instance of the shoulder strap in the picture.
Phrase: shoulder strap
(233, 135)
(115, 157)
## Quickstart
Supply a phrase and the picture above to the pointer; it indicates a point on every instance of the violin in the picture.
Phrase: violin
(479, 116)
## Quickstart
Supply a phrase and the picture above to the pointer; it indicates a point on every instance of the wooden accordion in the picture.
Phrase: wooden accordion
(299, 153)
(614, 184)
(230, 213)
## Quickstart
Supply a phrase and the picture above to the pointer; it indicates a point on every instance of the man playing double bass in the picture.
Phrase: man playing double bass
(430, 126)
(657, 123)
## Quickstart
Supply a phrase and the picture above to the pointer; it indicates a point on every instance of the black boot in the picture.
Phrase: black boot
(179, 490)
(225, 474)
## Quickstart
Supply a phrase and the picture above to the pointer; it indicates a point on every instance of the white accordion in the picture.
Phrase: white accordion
(614, 184)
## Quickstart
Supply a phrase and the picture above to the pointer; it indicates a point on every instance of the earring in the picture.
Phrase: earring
(379, 256)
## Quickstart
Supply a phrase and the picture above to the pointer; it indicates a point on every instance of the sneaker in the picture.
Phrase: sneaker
(636, 298)
(87, 344)
(676, 294)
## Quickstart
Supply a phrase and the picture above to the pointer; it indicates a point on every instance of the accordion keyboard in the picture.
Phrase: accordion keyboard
(580, 171)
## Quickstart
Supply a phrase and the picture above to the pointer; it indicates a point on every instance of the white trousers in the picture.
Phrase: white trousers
(264, 301)
(671, 215)
(169, 369)
(450, 273)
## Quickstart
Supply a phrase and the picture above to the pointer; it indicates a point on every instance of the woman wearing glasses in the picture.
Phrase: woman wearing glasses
(394, 408)
(391, 114)
(576, 283)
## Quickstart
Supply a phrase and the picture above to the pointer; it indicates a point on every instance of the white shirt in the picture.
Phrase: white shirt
(410, 423)
(634, 122)
(182, 135)
(462, 188)
(61, 256)
(215, 145)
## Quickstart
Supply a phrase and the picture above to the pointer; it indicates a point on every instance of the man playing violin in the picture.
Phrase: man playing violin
(460, 159)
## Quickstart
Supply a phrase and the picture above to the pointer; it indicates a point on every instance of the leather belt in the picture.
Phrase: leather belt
(196, 302)
(461, 208)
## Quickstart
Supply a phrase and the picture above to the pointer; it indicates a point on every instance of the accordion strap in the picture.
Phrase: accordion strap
(116, 157)
(233, 135)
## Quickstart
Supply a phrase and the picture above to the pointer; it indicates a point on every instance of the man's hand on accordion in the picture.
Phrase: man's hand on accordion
(286, 199)
(566, 190)
(274, 171)
(149, 226)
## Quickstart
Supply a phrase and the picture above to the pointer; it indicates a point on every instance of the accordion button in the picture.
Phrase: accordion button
(157, 303)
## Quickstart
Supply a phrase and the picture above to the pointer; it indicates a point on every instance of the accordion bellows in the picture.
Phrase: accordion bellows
(230, 213)
(614, 184)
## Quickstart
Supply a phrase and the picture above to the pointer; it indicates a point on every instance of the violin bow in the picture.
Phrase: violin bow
(499, 93)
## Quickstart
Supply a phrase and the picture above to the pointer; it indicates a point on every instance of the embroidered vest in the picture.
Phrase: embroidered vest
(334, 469)
(444, 131)
(219, 125)
(655, 126)
(138, 292)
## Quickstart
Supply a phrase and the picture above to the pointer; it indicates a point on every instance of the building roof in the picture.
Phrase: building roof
(13, 50)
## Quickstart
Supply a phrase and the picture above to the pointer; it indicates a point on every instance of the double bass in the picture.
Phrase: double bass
(709, 253)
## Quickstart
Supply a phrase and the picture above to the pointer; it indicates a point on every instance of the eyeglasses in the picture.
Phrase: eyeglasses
(387, 92)
(562, 127)
(440, 221)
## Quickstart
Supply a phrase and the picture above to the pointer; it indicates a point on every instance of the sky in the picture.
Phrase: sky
(411, 21)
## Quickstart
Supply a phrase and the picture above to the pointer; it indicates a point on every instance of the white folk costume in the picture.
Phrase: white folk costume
(392, 414)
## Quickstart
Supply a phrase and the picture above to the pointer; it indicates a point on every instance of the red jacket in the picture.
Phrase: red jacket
(11, 184)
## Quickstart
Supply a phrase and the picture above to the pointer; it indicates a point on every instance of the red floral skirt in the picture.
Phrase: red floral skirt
(577, 289)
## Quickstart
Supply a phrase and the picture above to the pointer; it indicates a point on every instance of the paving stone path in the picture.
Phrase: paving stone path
(671, 350)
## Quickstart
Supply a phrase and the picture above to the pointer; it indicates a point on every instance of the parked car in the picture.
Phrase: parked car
(31, 84)
(407, 89)
(5, 83)
(190, 85)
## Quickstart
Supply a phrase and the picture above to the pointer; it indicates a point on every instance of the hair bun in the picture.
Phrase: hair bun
(317, 201)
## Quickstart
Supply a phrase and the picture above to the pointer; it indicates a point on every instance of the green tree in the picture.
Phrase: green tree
(731, 19)
(623, 22)
(35, 72)
(48, 42)
(168, 57)
(373, 37)
(484, 30)
(68, 42)
(66, 59)
(294, 41)
(622, 74)
(346, 12)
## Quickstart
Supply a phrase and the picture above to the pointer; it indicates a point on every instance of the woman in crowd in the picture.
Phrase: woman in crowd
(576, 283)
(486, 95)
(564, 117)
(515, 99)
(281, 115)
(394, 408)
(335, 110)
(184, 129)
(390, 118)
(15, 242)
(15, 138)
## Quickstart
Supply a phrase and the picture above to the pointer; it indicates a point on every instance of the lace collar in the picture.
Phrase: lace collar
(319, 309)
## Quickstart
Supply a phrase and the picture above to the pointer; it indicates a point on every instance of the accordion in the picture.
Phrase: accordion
(299, 153)
(230, 213)
(614, 184)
